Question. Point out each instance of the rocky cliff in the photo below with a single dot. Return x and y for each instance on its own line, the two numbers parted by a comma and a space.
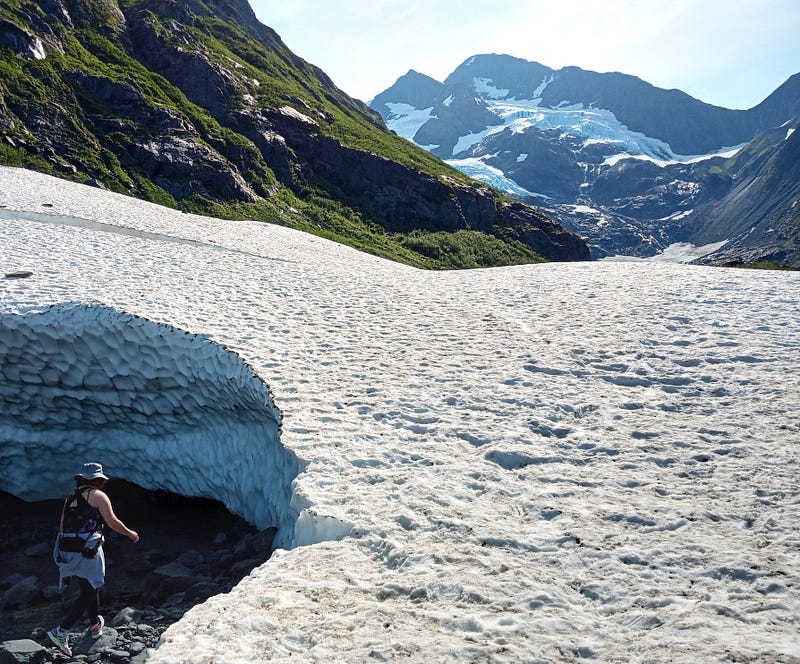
196, 104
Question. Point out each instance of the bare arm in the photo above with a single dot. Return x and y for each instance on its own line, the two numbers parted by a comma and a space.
101, 501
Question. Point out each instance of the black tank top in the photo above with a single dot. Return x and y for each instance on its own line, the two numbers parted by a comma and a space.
79, 516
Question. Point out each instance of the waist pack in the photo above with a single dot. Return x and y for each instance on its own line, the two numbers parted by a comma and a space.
72, 544
78, 545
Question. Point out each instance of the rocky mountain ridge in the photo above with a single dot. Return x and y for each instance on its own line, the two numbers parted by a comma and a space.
198, 105
628, 166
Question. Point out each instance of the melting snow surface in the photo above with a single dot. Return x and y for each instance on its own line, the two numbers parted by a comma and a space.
536, 463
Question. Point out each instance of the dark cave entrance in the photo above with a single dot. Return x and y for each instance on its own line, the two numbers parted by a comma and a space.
190, 550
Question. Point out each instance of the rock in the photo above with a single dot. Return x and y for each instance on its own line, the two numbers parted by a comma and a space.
86, 645
135, 647
40, 549
191, 558
22, 651
126, 616
10, 580
201, 591
22, 594
244, 567
261, 542
156, 556
166, 581
23, 43
173, 570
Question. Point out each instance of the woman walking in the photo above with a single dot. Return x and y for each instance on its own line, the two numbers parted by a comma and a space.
79, 549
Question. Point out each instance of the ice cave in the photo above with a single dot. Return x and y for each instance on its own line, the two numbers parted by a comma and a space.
157, 406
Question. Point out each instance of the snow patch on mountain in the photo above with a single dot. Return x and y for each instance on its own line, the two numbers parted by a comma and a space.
466, 142
485, 88
406, 120
590, 126
593, 125
725, 153
537, 93
678, 252
675, 216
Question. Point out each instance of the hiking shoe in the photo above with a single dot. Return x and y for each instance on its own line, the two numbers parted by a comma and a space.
61, 639
96, 630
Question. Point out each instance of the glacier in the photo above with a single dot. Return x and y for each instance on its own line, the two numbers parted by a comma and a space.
536, 463
586, 126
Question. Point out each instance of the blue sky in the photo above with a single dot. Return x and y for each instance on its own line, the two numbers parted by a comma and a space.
731, 53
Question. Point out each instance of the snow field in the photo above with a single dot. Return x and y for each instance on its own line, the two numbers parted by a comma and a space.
541, 463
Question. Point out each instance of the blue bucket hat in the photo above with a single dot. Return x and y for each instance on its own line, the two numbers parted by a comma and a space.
91, 471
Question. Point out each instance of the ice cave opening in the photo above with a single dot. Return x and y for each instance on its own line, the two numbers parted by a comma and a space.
190, 549
157, 406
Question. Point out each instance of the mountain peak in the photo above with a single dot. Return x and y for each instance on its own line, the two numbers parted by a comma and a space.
413, 88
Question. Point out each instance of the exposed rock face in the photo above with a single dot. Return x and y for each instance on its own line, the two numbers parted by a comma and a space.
203, 81
22, 42
6, 122
760, 207
184, 167
399, 198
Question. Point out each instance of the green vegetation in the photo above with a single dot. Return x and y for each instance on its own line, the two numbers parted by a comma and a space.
469, 249
765, 265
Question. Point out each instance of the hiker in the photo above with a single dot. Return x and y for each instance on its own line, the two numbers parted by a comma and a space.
78, 550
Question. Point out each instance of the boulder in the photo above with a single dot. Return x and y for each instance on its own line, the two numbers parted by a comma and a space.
191, 559
22, 651
127, 616
168, 580
84, 644
39, 550
10, 580
22, 594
